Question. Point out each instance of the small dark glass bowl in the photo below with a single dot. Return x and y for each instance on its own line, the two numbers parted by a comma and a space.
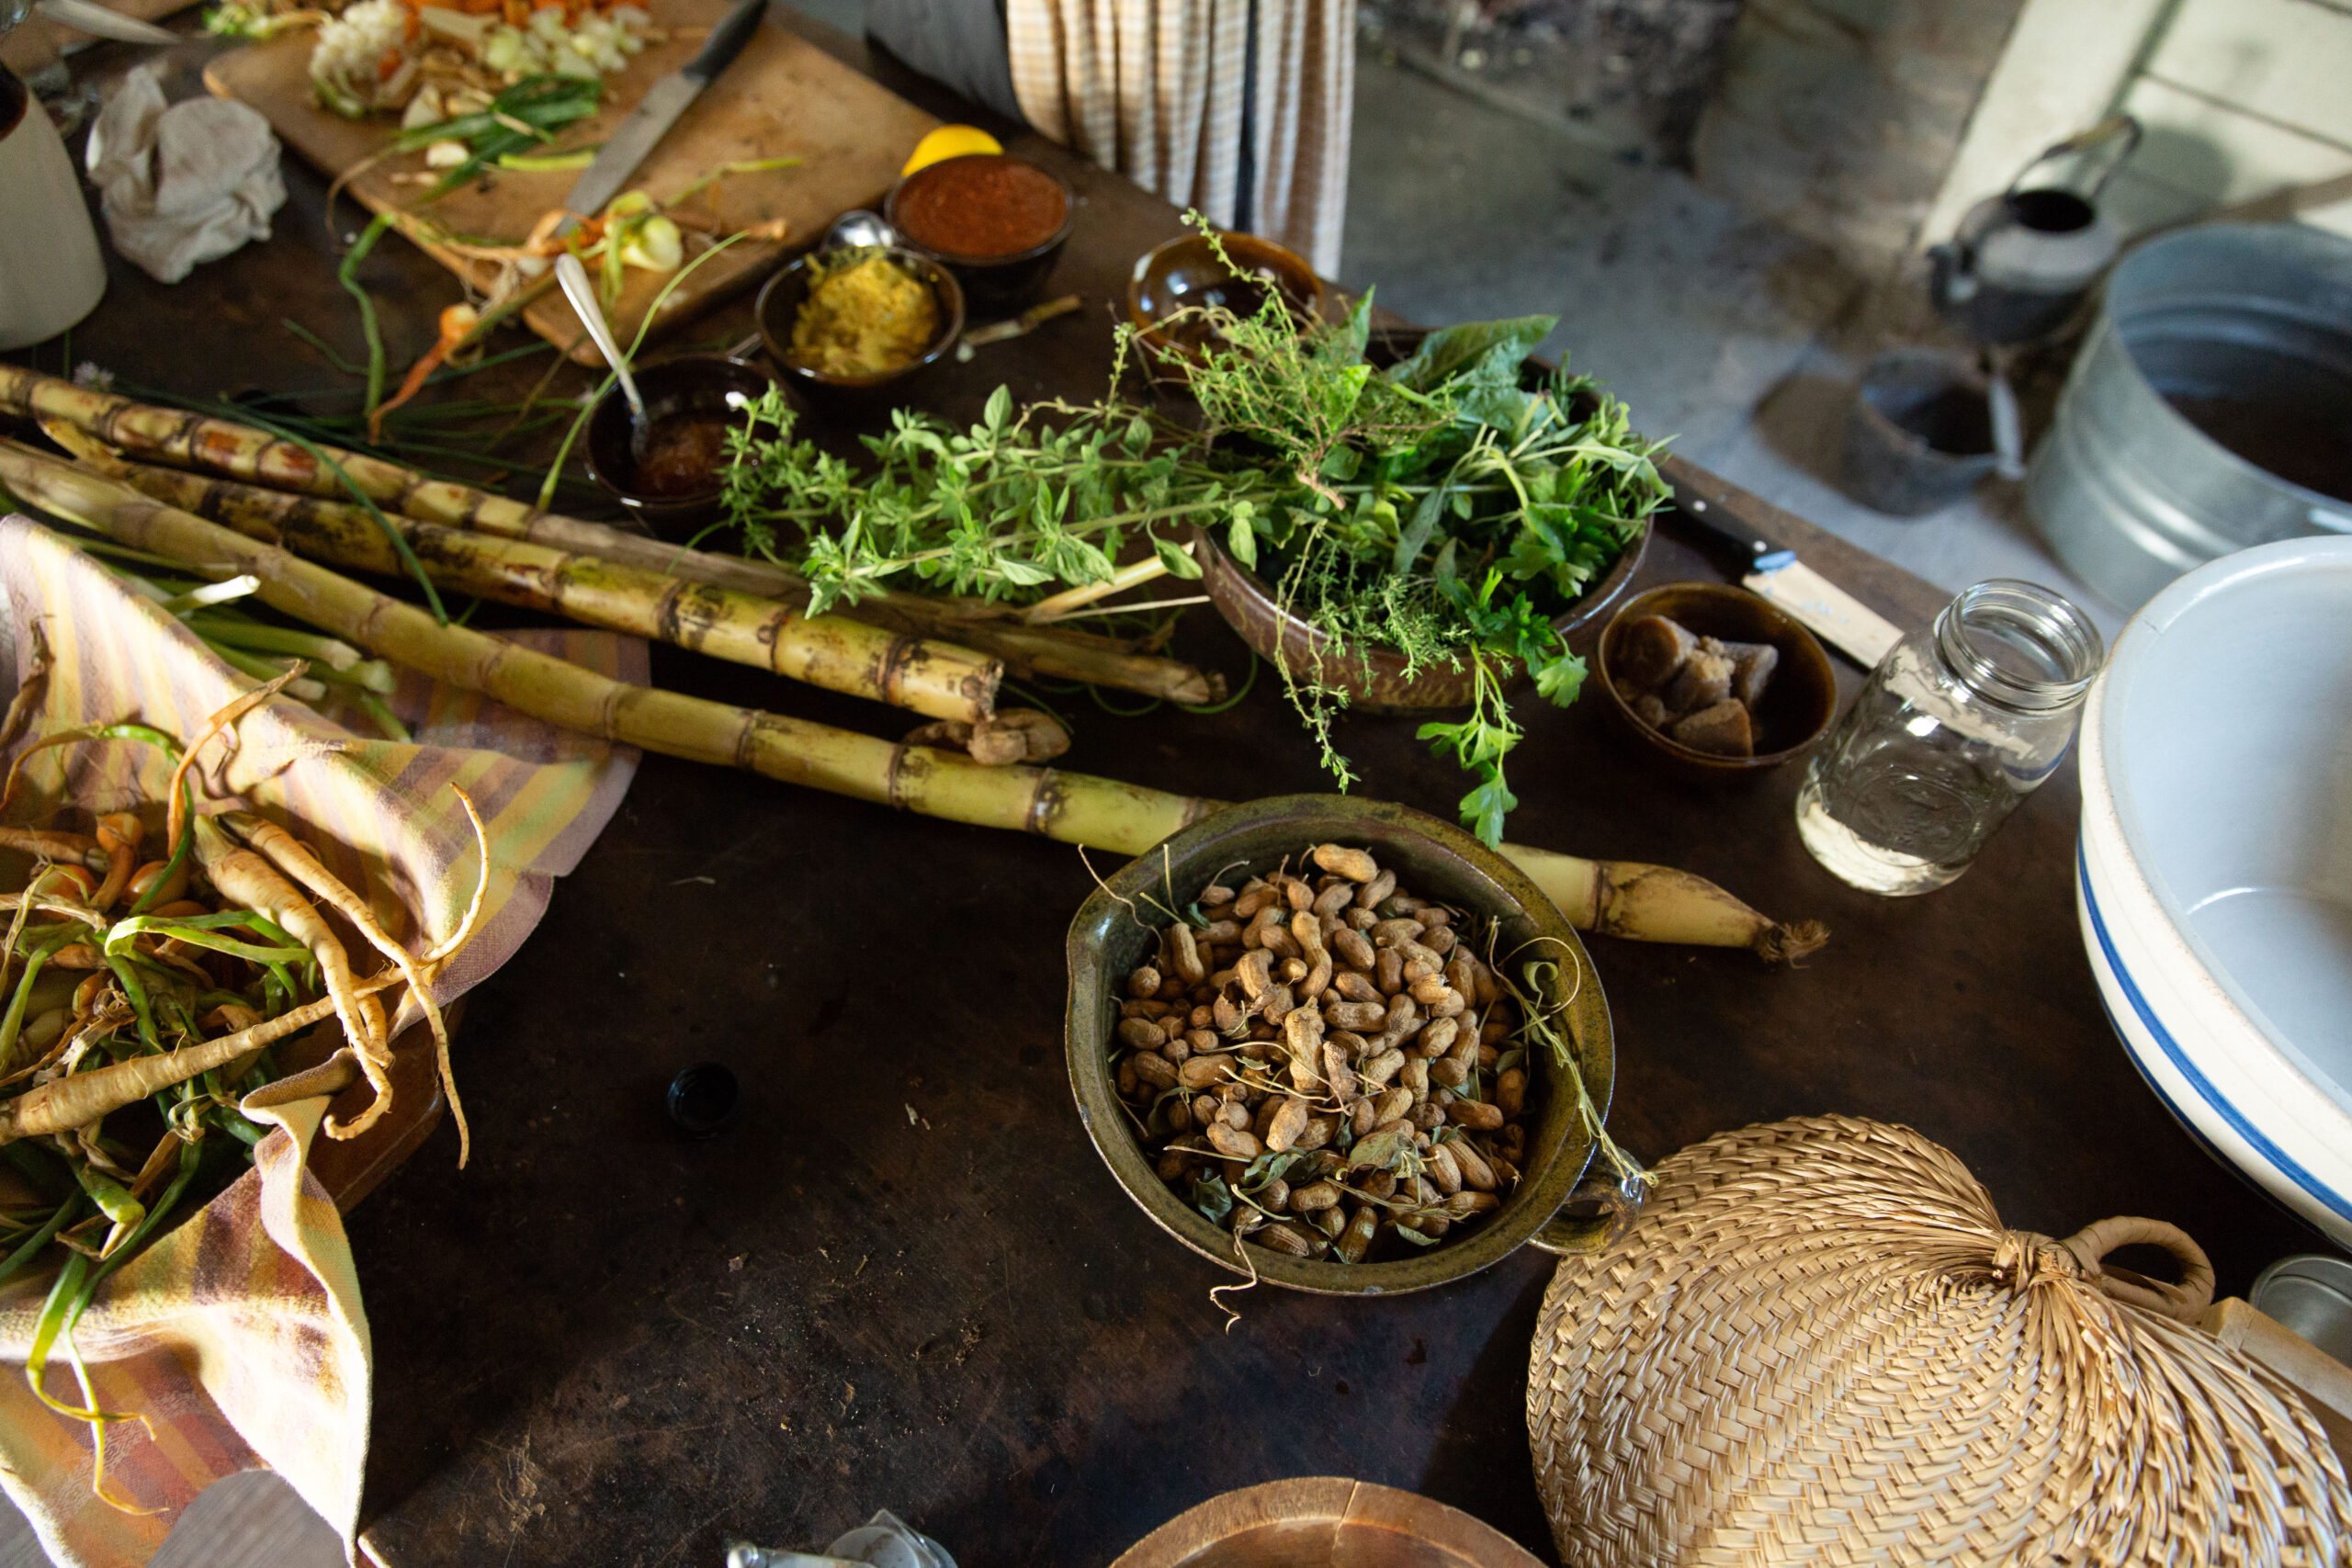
1185, 271
779, 307
703, 383
993, 286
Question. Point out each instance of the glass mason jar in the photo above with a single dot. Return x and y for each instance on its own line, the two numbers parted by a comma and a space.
1956, 725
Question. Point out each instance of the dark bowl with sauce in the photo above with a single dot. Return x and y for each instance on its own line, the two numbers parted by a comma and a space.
691, 402
1185, 274
856, 396
997, 222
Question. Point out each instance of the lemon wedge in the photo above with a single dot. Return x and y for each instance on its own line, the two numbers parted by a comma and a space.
949, 142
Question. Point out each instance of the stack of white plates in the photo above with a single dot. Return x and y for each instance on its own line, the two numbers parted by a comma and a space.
2214, 877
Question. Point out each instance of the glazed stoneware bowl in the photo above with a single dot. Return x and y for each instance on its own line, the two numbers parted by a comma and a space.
1185, 273
2214, 872
1436, 860
1323, 1519
1799, 701
1375, 678
779, 306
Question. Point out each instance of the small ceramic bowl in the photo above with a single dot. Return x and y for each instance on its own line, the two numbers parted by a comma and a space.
1798, 704
1375, 678
1186, 272
1434, 859
779, 307
698, 384
992, 285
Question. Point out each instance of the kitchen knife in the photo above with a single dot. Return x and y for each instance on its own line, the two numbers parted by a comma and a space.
651, 119
89, 17
1772, 571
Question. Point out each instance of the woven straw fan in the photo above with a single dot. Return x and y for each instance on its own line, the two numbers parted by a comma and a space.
1819, 1344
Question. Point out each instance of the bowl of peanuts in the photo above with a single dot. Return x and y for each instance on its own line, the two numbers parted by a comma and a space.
1339, 1045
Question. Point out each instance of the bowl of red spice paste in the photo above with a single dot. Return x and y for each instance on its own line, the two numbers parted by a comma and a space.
996, 221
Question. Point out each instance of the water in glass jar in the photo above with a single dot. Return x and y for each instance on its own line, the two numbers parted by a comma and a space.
1905, 823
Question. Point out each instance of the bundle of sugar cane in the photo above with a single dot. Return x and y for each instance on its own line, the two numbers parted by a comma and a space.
934, 678
255, 456
1647, 903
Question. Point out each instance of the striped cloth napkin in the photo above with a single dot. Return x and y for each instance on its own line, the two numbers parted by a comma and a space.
239, 1335
1242, 108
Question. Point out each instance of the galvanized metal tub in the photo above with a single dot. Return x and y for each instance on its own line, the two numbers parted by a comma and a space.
2246, 326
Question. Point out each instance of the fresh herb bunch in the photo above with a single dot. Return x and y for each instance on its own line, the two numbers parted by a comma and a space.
1000, 511
1437, 507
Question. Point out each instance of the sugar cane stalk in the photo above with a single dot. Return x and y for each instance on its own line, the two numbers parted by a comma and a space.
240, 452
933, 678
1069, 807
1622, 898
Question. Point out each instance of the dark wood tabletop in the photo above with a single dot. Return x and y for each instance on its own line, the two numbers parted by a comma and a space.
904, 1279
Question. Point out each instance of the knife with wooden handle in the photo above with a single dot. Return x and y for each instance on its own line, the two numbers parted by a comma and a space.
1773, 571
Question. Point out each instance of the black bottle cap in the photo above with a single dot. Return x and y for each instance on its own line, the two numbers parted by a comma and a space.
703, 1099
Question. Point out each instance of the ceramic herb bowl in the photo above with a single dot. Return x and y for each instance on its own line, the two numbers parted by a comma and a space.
1799, 705
1375, 678
2214, 876
1437, 861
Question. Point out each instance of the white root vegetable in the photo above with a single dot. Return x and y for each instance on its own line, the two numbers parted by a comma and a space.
290, 855
248, 880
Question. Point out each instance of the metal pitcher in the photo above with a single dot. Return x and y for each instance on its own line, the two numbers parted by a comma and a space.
2020, 261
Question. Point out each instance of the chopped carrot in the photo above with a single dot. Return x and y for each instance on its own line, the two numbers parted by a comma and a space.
389, 66
518, 12
456, 323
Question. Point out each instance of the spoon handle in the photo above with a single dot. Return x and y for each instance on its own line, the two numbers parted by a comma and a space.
584, 304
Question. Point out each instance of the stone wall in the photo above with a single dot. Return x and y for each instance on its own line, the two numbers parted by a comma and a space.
1837, 119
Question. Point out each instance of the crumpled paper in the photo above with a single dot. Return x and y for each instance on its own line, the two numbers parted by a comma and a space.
186, 183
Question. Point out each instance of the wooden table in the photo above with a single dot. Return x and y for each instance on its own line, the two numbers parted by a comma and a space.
904, 1279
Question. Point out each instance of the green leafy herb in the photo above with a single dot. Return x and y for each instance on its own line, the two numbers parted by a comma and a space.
1442, 509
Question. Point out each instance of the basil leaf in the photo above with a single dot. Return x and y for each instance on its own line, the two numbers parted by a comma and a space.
1452, 351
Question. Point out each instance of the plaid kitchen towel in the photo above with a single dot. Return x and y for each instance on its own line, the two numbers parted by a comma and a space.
239, 1335
1240, 108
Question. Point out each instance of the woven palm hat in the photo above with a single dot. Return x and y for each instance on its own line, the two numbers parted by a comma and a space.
1819, 1344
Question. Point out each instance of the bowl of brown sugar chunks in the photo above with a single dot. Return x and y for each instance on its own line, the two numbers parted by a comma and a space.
1715, 680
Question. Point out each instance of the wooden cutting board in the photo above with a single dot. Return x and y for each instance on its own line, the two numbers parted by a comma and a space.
783, 96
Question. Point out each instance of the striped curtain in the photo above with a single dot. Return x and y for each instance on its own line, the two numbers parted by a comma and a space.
1238, 108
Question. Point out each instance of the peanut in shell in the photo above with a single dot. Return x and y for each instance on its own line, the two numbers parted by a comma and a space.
1234, 1143
1356, 865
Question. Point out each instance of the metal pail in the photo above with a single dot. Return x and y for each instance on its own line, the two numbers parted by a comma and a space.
2210, 410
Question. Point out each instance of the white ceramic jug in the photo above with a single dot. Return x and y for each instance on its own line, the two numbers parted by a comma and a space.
51, 272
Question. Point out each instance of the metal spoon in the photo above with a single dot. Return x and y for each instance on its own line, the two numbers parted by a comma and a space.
584, 304
857, 229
